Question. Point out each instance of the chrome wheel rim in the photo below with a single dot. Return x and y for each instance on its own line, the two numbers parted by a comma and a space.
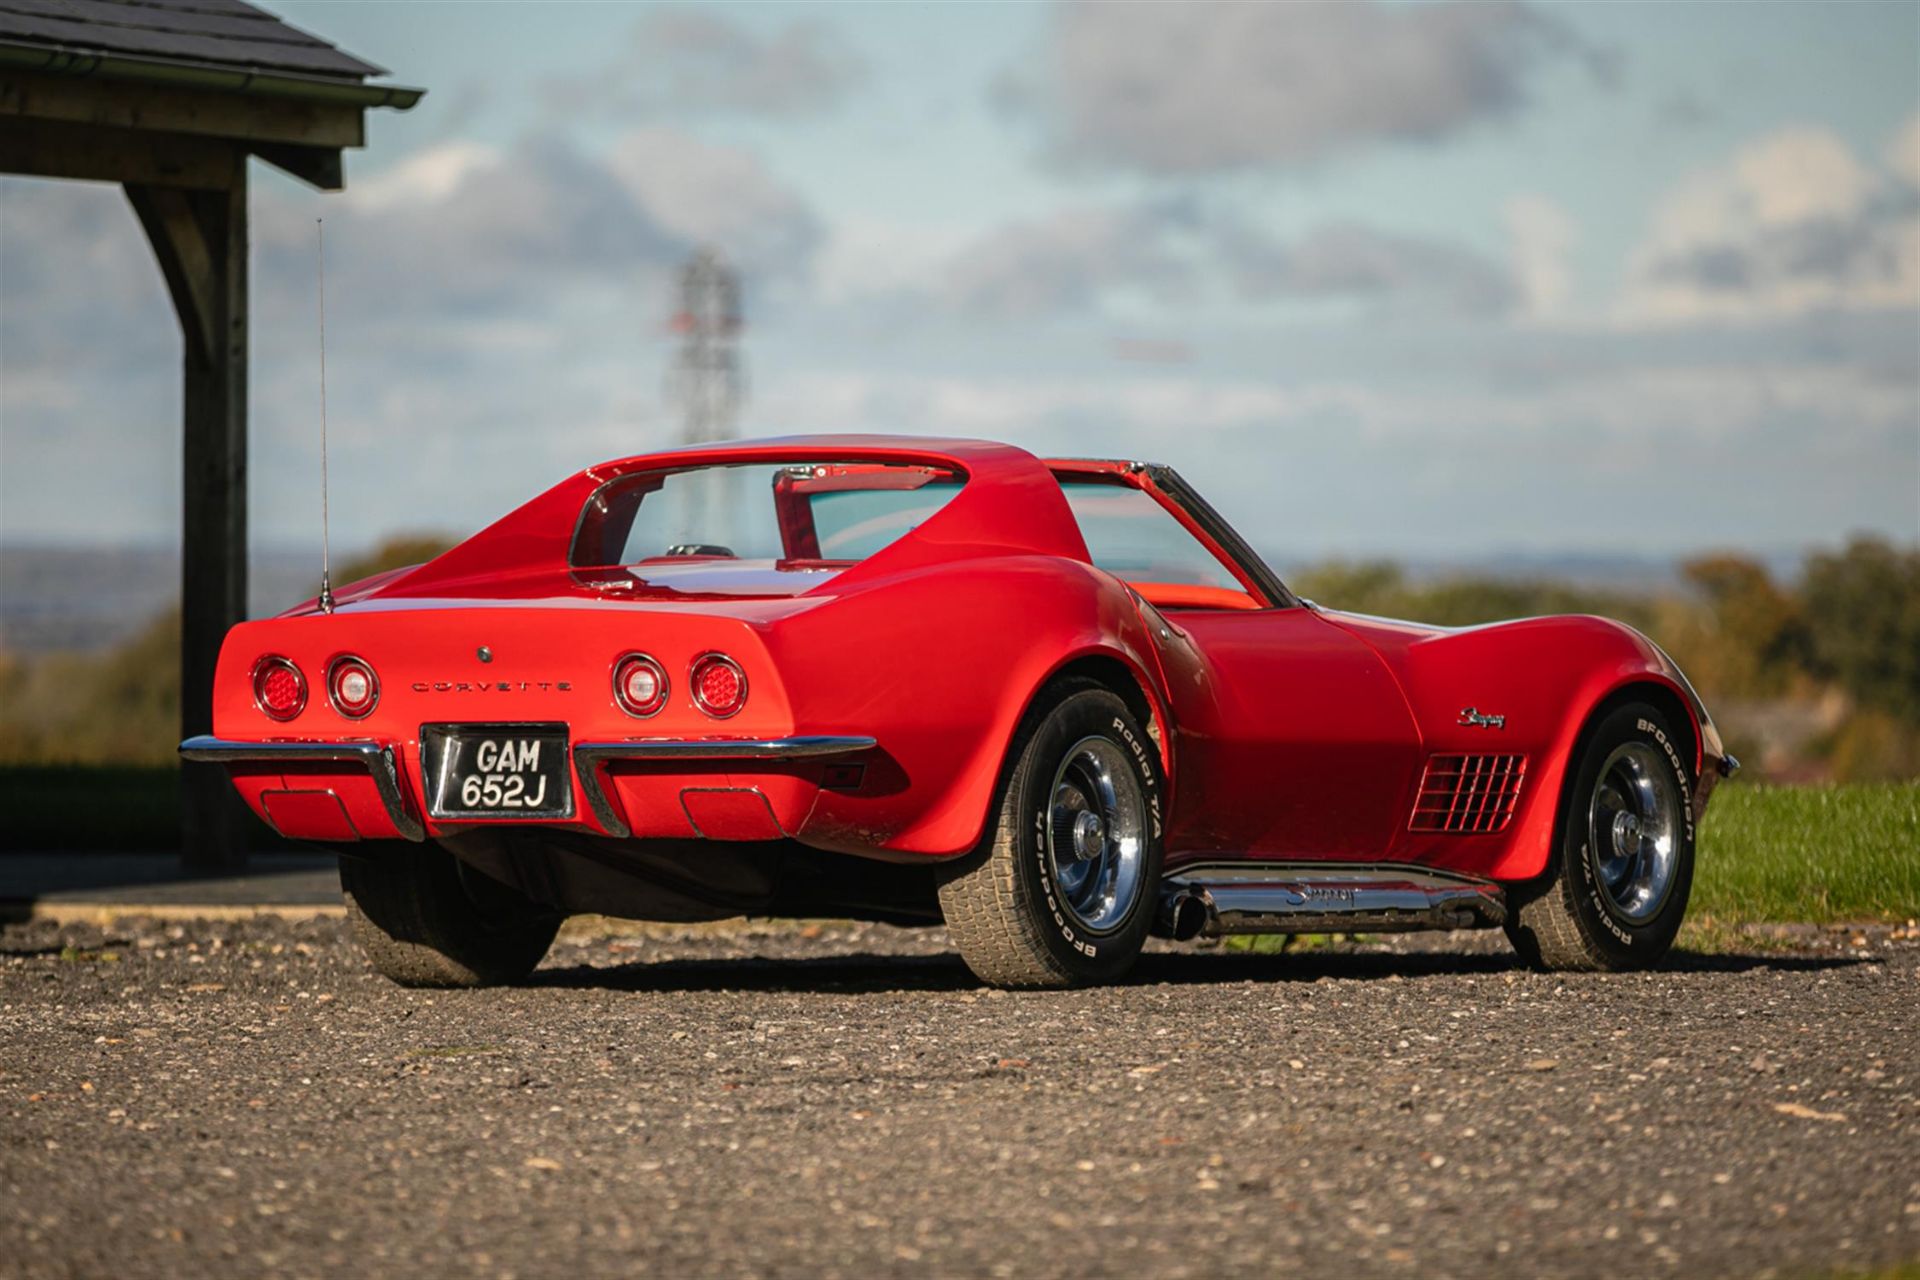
1634, 831
1096, 834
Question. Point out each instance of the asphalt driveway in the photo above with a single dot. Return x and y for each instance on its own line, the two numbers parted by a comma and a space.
243, 1097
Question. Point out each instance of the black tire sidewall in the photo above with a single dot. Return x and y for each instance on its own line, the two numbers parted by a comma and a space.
1108, 953
1625, 943
414, 899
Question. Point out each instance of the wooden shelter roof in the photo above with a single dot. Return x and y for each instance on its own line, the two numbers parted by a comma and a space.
223, 33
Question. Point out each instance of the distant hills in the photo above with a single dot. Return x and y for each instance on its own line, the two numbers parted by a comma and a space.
87, 599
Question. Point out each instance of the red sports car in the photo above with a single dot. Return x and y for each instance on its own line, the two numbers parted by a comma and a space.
1059, 705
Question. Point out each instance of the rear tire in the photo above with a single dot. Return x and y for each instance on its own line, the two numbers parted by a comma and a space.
1622, 867
1065, 885
426, 919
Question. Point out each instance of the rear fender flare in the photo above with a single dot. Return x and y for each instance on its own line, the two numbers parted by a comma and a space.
1111, 666
1104, 664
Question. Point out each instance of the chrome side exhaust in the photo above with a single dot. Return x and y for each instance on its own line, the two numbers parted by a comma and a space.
1216, 899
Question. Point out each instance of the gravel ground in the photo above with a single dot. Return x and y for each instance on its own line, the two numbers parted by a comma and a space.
245, 1097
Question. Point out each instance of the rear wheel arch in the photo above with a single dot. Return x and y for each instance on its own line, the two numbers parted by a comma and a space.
1117, 676
1097, 668
1016, 914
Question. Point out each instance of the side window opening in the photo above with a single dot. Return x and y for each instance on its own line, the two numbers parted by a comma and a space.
1130, 535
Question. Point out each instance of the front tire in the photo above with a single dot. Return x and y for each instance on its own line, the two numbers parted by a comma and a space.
425, 919
1063, 890
1622, 867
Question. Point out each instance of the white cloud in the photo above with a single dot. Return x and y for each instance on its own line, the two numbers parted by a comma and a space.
1351, 261
428, 175
1794, 176
705, 193
682, 61
865, 257
492, 312
1202, 87
1633, 457
1903, 153
1072, 260
89, 367
1708, 403
68, 253
1544, 235
461, 234
1090, 259
458, 237
1794, 222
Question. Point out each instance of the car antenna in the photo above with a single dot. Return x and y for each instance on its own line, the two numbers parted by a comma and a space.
320, 271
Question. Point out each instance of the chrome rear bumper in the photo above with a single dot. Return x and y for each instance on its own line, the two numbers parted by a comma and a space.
588, 759
376, 757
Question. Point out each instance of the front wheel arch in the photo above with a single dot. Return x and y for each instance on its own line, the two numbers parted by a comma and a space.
1529, 853
1664, 698
1556, 919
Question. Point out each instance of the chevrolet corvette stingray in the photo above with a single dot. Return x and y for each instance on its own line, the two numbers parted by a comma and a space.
1057, 705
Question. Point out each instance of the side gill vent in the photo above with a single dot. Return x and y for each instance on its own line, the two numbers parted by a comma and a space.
1468, 795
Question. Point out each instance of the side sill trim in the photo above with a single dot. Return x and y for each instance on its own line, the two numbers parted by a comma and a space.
1220, 898
589, 757
377, 758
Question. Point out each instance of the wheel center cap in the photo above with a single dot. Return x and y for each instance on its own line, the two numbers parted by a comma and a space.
1089, 835
1626, 833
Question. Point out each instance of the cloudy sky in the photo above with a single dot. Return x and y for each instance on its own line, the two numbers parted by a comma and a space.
1436, 280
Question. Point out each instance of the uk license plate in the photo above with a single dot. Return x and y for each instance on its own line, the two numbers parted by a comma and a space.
497, 770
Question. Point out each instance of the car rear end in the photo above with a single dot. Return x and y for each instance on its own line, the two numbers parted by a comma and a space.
822, 641
422, 719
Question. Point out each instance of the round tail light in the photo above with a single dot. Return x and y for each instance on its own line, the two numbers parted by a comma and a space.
639, 685
278, 687
719, 685
352, 687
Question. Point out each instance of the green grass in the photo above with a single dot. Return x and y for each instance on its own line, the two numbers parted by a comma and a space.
1779, 855
1809, 854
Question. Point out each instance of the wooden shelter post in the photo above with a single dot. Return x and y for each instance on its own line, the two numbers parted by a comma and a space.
170, 102
200, 240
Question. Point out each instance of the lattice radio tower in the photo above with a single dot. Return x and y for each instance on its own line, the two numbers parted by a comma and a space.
707, 379
707, 382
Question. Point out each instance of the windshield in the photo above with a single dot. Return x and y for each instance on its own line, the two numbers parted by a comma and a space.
804, 514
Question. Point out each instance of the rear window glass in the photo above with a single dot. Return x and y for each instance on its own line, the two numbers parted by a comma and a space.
804, 512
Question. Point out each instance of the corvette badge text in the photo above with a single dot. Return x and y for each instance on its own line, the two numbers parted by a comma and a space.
489, 686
